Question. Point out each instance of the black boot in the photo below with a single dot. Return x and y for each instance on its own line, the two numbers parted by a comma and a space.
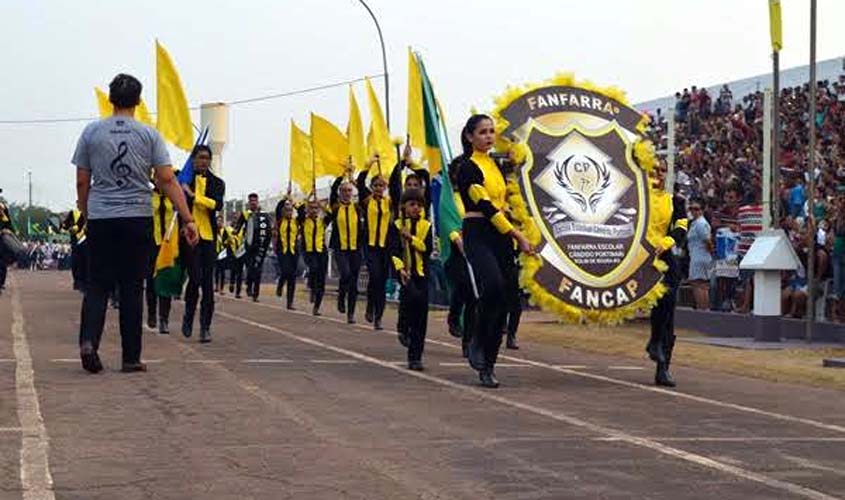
656, 351
205, 336
511, 342
377, 324
662, 377
454, 327
163, 327
187, 328
488, 379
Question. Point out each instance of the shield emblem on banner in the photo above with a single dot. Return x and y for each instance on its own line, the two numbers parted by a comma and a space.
588, 197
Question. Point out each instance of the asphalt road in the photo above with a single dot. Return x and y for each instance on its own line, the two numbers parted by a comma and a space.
284, 405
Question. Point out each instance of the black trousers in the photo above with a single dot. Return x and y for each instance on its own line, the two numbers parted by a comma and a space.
79, 265
514, 301
254, 266
663, 325
3, 272
413, 315
200, 261
236, 274
377, 262
318, 263
119, 255
149, 284
349, 266
288, 264
220, 273
490, 257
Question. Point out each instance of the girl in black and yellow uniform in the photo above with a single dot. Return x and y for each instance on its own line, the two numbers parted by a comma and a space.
287, 249
313, 220
411, 245
418, 179
157, 299
487, 238
344, 243
225, 243
669, 229
375, 212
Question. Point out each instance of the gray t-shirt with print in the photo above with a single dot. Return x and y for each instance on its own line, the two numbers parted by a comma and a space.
120, 153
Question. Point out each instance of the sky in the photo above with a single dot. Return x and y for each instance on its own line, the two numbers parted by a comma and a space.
55, 52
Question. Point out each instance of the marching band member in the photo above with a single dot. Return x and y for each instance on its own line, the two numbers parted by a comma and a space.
344, 243
74, 224
669, 230
287, 250
225, 254
418, 178
205, 197
411, 246
461, 300
487, 238
238, 254
375, 211
258, 233
5, 227
158, 305
313, 220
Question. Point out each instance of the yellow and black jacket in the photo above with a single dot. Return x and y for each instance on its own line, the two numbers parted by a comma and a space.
313, 230
74, 224
345, 221
6, 219
668, 228
375, 213
288, 235
207, 201
412, 255
483, 189
162, 215
396, 184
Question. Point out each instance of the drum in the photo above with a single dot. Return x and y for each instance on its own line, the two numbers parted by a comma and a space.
11, 248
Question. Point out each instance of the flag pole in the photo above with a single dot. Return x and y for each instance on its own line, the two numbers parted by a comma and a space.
811, 165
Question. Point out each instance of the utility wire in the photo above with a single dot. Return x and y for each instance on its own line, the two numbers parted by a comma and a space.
40, 121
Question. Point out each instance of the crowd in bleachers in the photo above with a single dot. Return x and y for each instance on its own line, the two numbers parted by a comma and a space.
718, 165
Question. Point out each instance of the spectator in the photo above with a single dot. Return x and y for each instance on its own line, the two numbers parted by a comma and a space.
700, 246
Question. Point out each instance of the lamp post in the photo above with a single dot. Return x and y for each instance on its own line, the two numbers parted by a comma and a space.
384, 63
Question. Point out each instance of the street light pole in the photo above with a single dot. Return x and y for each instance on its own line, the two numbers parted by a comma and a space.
384, 63
811, 257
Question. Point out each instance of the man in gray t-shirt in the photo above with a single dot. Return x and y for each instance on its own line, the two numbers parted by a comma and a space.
119, 151
114, 159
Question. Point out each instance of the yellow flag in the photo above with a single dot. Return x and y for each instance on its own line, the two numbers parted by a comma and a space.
416, 121
775, 25
331, 148
355, 133
302, 167
174, 117
378, 138
106, 108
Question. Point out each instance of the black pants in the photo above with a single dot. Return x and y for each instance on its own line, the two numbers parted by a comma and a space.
490, 256
317, 263
349, 267
514, 302
200, 261
413, 315
118, 255
79, 265
236, 275
3, 272
288, 264
220, 273
377, 260
663, 325
149, 284
254, 266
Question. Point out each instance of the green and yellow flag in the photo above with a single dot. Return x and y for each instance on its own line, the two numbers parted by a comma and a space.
302, 168
169, 276
775, 25
174, 117
331, 149
423, 121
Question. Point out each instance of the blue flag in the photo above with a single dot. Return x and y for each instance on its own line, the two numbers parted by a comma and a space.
186, 176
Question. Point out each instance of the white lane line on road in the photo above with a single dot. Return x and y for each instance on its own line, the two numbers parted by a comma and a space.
623, 368
36, 480
498, 365
266, 361
6, 360
622, 436
333, 361
10, 429
625, 383
572, 367
743, 440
